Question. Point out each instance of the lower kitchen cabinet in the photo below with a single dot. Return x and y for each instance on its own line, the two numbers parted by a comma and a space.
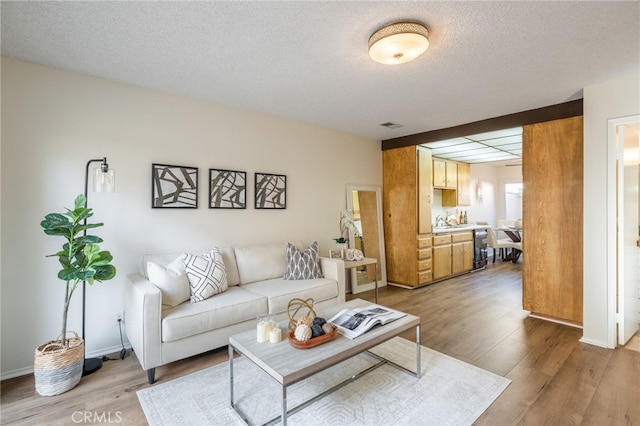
441, 256
461, 257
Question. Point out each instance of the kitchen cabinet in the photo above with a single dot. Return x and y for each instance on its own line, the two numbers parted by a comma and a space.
461, 252
464, 184
455, 182
441, 256
407, 189
445, 174
552, 265
452, 254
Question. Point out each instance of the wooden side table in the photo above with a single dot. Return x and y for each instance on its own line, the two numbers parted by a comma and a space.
351, 264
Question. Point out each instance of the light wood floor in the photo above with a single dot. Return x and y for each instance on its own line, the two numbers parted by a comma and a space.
476, 318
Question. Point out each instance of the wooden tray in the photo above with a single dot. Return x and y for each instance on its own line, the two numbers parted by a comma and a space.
311, 342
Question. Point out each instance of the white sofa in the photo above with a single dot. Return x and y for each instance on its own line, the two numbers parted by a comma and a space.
160, 334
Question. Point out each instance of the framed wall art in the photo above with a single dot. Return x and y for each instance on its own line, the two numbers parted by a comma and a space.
271, 191
174, 186
227, 189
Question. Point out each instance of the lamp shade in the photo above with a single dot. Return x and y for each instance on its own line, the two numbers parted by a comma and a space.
104, 180
398, 43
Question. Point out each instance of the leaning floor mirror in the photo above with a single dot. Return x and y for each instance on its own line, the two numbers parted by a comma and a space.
365, 201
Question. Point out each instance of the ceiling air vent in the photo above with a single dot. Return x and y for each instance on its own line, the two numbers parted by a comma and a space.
391, 125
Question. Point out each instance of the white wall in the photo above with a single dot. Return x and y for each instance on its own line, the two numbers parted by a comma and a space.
613, 99
54, 121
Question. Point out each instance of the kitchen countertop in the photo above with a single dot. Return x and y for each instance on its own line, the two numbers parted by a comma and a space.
457, 228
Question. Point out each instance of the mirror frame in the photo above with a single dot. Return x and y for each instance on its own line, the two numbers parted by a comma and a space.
382, 264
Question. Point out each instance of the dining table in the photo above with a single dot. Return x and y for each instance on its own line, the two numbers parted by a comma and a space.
515, 235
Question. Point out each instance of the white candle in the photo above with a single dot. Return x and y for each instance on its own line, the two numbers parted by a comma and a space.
262, 331
271, 325
275, 335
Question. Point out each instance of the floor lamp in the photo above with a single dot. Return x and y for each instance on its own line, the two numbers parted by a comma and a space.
104, 180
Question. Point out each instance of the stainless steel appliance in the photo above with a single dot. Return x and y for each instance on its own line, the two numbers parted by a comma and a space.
479, 248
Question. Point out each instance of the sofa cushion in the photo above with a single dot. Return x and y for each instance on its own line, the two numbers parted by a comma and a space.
172, 281
303, 265
227, 253
261, 262
206, 273
231, 307
280, 291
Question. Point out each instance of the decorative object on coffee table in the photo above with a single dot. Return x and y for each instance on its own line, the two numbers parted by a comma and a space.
310, 343
297, 308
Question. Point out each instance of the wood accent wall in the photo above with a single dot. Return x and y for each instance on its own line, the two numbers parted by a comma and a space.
400, 205
552, 173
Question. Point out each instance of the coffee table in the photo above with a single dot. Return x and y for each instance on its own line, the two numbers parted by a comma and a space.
275, 358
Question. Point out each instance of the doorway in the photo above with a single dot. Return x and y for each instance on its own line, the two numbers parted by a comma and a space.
513, 200
624, 230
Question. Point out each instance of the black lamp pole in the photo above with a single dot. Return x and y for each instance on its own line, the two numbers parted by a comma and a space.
91, 365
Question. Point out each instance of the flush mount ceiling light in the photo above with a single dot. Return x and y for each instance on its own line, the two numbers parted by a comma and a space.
398, 43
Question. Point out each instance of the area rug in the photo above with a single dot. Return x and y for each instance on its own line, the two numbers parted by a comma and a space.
450, 392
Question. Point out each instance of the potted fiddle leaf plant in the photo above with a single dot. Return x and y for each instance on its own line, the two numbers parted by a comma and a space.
59, 363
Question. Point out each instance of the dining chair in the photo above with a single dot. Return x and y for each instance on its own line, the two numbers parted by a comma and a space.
502, 244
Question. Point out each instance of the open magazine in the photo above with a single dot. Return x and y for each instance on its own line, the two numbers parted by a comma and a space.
352, 323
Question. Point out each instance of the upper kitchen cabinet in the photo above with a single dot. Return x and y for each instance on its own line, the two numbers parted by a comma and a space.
461, 196
464, 184
445, 174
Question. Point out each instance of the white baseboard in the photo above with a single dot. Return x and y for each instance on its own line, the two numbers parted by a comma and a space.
93, 354
593, 342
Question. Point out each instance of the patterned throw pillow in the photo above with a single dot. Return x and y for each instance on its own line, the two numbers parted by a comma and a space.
206, 273
303, 265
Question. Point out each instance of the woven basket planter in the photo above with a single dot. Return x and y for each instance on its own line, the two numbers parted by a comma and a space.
58, 369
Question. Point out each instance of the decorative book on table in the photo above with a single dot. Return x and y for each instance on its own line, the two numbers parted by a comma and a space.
352, 323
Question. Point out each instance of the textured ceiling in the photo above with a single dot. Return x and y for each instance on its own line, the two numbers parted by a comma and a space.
308, 61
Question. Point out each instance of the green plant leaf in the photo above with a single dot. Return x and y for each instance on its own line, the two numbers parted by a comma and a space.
87, 239
105, 272
80, 258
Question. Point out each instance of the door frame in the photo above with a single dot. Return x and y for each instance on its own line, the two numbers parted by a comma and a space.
612, 225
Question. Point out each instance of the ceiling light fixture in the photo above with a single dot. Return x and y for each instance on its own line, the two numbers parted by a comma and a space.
398, 43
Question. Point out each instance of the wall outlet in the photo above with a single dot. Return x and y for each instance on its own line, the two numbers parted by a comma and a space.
119, 318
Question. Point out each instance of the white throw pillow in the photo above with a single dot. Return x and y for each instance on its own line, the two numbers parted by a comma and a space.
206, 273
303, 265
171, 280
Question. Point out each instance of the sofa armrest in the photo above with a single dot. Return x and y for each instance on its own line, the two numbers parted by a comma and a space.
334, 269
143, 307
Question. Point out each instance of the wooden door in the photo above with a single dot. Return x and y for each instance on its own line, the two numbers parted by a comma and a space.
552, 172
457, 258
439, 173
467, 256
464, 184
451, 175
441, 261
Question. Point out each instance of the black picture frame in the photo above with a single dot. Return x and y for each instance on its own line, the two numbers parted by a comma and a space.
227, 189
174, 186
270, 191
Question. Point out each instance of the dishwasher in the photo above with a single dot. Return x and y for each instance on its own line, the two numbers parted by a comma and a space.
479, 248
